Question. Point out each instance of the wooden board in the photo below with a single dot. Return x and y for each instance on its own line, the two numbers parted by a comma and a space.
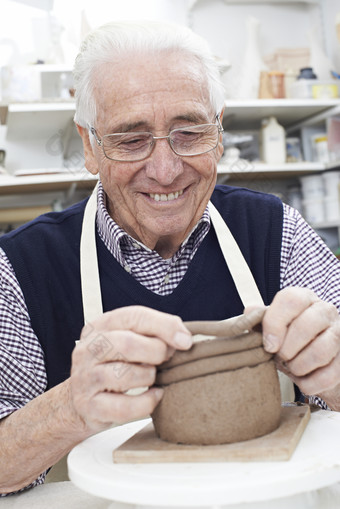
146, 447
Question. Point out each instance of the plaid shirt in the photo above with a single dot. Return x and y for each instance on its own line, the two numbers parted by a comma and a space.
305, 261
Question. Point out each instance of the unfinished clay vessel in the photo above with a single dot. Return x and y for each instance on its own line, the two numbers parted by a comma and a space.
224, 389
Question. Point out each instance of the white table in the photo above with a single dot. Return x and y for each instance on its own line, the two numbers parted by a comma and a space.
65, 495
58, 495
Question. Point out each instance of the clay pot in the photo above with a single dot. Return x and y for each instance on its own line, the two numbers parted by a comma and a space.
224, 389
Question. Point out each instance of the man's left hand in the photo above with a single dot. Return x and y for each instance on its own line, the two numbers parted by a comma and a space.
304, 333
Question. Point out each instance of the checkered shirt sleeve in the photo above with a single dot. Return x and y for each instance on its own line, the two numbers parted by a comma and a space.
22, 367
307, 262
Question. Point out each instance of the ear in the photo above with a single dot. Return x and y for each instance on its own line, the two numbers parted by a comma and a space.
90, 159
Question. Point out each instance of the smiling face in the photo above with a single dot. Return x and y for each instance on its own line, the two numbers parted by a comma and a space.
157, 200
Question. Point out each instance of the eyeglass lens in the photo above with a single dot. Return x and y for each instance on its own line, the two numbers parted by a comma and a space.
187, 141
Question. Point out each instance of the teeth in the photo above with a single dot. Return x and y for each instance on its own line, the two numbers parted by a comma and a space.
166, 197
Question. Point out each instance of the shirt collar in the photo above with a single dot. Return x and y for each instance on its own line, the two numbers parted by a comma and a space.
114, 236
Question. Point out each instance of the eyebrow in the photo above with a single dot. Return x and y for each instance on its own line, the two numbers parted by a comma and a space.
192, 117
129, 126
125, 127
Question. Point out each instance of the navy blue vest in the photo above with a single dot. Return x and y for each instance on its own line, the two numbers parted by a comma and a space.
45, 256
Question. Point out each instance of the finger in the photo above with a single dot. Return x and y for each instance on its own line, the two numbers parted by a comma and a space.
303, 330
253, 315
109, 408
254, 308
120, 377
145, 321
320, 380
126, 346
317, 354
287, 305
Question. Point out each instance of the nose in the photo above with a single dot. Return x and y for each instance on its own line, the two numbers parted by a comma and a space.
163, 165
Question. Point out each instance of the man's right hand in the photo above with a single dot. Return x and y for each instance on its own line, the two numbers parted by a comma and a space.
117, 352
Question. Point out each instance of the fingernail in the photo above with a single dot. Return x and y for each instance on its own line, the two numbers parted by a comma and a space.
270, 343
182, 340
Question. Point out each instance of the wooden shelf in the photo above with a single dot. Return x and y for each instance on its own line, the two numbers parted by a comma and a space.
21, 215
334, 165
262, 170
247, 114
48, 106
45, 183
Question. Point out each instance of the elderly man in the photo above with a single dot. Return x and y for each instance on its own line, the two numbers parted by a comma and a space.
146, 252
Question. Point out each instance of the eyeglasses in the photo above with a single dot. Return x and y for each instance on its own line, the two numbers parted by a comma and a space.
188, 141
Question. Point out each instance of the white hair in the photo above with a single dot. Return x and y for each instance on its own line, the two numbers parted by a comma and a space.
112, 41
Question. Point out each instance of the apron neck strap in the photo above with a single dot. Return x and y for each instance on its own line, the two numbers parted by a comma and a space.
238, 267
89, 272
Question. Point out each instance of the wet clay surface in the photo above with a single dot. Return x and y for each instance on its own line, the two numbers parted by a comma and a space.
222, 390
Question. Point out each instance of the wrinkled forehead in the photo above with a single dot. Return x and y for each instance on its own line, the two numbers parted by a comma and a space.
136, 75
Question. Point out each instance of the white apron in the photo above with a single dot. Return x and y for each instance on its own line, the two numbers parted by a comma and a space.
238, 267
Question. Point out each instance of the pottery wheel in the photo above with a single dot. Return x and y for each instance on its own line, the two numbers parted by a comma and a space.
314, 464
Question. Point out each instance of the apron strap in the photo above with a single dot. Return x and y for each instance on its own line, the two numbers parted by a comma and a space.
240, 272
89, 273
244, 282
90, 283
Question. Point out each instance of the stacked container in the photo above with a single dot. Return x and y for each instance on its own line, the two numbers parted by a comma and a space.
313, 194
331, 197
320, 195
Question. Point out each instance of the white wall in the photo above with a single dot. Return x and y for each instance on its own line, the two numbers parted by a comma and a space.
28, 34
